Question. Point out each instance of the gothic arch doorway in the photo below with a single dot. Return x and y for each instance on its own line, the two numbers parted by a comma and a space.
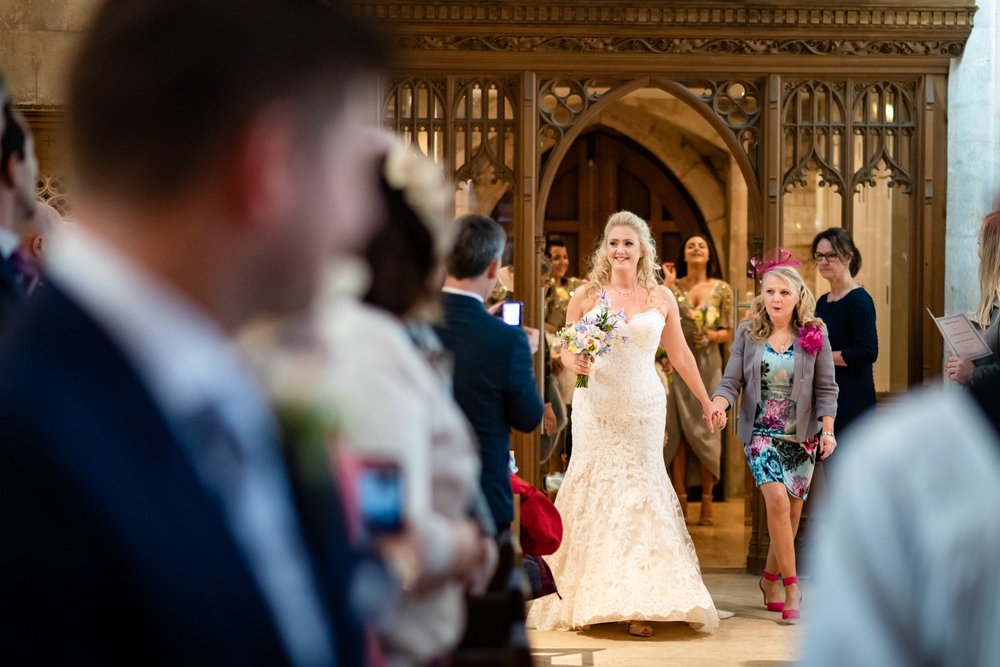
660, 156
708, 135
604, 172
731, 108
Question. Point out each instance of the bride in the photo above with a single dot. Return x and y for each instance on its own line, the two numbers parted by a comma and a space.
626, 554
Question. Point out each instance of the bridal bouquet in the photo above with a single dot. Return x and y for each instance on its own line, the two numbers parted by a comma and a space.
593, 334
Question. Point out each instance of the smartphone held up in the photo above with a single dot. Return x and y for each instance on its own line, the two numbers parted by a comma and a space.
380, 496
511, 313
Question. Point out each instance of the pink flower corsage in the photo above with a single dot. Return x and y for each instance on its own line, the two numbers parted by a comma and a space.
811, 338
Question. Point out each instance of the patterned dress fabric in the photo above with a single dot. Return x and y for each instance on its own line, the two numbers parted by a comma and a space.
626, 553
773, 454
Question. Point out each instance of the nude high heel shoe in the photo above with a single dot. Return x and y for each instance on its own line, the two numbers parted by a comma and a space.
706, 511
771, 606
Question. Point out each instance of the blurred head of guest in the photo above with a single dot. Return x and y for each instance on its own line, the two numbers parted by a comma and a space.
37, 228
247, 143
837, 258
989, 267
474, 261
18, 169
27, 259
406, 255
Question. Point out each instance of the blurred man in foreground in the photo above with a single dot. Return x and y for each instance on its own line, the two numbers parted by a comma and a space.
147, 514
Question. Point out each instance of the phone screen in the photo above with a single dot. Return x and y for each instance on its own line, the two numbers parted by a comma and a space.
510, 312
380, 491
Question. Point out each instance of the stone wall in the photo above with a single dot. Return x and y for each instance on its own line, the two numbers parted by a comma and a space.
37, 38
973, 155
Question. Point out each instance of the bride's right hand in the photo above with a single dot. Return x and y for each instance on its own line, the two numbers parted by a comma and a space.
581, 365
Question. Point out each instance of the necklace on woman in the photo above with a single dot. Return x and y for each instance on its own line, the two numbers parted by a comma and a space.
780, 348
621, 293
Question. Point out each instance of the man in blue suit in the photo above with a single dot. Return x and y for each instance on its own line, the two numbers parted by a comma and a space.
494, 380
148, 515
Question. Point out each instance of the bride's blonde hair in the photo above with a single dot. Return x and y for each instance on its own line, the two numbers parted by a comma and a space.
600, 265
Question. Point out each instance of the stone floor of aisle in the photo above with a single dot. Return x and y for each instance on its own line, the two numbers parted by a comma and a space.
752, 637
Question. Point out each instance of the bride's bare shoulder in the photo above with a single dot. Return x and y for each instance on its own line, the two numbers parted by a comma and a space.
663, 300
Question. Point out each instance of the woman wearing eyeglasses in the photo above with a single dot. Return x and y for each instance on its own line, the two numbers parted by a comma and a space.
849, 314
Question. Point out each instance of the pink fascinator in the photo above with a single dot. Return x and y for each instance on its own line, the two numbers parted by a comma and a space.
777, 257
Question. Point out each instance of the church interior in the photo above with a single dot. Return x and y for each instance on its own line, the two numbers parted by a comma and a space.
754, 124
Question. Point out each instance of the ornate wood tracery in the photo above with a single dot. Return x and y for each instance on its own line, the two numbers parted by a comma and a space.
485, 125
821, 117
683, 45
414, 108
563, 101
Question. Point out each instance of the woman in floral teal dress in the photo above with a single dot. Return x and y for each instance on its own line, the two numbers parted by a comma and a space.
782, 362
774, 453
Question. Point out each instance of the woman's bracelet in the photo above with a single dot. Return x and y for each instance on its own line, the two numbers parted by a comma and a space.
829, 433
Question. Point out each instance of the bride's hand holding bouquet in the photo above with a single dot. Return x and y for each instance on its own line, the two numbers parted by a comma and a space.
591, 337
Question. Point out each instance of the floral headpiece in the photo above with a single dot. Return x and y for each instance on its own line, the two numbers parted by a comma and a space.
424, 188
774, 258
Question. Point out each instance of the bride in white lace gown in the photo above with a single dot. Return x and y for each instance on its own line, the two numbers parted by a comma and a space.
626, 554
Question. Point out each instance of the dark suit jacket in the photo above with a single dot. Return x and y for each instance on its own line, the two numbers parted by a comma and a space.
112, 551
814, 388
495, 386
11, 296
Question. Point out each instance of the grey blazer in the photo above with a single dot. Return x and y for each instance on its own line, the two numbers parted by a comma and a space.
814, 388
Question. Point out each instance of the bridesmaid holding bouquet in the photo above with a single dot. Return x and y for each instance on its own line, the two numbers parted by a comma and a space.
706, 307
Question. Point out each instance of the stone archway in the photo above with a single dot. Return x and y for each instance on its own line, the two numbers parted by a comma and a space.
732, 108
689, 158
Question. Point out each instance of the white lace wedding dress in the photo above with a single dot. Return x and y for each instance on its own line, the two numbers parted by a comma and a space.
626, 553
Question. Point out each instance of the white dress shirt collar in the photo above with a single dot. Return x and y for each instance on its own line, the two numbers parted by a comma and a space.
9, 242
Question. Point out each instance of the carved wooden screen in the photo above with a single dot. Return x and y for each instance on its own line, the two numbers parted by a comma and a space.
849, 161
468, 125
485, 131
414, 108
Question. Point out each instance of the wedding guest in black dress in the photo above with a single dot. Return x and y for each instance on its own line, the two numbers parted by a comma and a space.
849, 314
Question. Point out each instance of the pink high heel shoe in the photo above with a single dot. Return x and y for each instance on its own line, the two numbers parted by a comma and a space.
790, 614
771, 606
